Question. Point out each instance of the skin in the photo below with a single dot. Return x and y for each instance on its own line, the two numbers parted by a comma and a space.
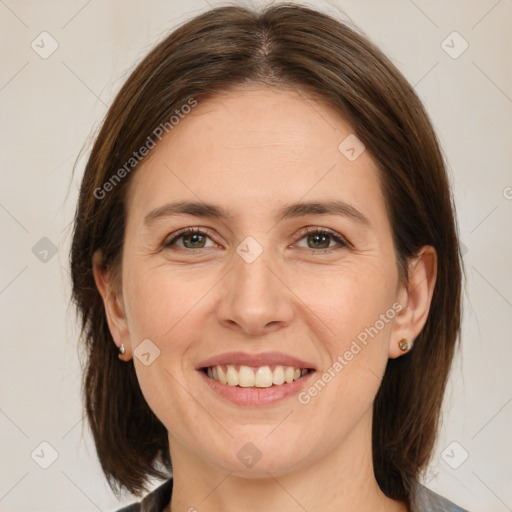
253, 150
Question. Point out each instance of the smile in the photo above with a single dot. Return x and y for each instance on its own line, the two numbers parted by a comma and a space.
258, 377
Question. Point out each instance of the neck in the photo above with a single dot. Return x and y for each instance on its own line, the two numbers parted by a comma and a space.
342, 479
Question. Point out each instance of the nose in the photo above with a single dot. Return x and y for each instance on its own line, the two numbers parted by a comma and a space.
255, 298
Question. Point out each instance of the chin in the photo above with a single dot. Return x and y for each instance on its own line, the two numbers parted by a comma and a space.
254, 459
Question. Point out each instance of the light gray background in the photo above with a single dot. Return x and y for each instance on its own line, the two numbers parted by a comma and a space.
51, 106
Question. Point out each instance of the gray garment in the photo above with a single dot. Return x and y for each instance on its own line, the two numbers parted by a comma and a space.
424, 500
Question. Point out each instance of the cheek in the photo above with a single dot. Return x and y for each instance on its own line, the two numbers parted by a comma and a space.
159, 298
164, 307
350, 299
353, 318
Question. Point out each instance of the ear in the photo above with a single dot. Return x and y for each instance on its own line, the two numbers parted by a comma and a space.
415, 296
113, 303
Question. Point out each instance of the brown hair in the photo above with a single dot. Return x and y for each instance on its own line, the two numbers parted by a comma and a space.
285, 45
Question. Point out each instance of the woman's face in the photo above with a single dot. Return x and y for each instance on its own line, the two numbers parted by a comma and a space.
292, 266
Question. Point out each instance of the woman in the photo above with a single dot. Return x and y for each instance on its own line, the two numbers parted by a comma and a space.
266, 264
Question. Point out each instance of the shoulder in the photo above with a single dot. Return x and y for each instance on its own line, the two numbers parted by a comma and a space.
155, 501
425, 500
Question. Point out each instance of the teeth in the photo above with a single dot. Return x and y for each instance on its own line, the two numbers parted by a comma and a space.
262, 377
289, 374
245, 377
232, 376
222, 376
278, 376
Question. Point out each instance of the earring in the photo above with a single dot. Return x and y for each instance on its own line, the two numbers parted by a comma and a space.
122, 350
404, 344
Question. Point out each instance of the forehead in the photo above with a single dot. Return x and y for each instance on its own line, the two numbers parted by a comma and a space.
256, 146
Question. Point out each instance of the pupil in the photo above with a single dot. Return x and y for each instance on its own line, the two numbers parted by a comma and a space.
192, 240
317, 239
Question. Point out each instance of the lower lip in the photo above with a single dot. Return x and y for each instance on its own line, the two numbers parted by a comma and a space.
256, 396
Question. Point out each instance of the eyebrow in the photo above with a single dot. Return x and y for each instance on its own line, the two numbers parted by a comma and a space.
201, 209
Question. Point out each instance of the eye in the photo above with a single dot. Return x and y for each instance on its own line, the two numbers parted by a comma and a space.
320, 239
190, 238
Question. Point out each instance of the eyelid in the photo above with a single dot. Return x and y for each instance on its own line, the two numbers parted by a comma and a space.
170, 239
339, 239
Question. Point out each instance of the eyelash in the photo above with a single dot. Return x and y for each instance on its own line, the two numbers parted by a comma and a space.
343, 243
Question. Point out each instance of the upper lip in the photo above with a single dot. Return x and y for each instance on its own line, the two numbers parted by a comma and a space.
261, 359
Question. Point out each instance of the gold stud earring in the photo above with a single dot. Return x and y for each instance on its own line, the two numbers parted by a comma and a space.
404, 344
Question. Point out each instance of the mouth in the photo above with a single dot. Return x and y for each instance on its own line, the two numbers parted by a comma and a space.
261, 379
255, 376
